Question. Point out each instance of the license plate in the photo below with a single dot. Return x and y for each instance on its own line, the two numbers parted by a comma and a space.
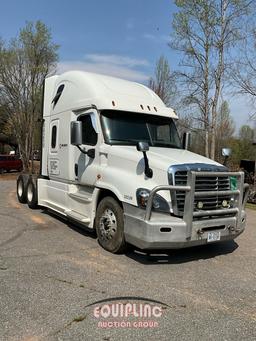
213, 236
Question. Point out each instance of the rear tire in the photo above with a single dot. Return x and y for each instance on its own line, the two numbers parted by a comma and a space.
109, 223
31, 194
22, 188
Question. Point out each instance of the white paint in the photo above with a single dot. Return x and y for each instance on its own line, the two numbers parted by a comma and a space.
119, 169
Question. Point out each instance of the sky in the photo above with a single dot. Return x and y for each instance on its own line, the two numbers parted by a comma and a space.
122, 38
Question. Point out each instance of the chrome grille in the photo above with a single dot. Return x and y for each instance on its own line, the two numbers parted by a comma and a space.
203, 184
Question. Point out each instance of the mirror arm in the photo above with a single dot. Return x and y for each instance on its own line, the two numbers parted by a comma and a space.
81, 150
148, 171
89, 152
225, 160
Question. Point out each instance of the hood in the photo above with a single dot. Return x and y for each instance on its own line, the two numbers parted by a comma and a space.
161, 158
171, 156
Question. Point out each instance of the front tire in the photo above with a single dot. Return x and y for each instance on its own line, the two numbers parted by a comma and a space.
32, 194
109, 223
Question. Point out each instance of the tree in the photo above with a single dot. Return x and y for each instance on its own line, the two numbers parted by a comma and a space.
203, 32
243, 71
242, 147
162, 84
246, 148
3, 118
225, 128
24, 64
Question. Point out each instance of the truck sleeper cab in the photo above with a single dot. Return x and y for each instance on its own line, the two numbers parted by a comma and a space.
112, 160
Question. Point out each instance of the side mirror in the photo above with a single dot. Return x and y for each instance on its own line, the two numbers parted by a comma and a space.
142, 146
186, 140
76, 133
226, 152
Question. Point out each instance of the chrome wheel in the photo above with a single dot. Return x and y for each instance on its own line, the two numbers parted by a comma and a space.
108, 224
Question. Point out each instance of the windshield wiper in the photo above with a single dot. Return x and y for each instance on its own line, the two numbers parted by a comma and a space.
124, 140
170, 145
154, 144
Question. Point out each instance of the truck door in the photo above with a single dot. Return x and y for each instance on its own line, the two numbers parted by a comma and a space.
85, 167
53, 159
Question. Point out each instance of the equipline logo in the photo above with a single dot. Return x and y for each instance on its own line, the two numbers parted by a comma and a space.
128, 312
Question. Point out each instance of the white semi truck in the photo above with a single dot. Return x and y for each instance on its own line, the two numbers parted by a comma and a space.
112, 160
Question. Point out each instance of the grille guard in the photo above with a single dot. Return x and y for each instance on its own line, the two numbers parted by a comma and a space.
240, 197
177, 175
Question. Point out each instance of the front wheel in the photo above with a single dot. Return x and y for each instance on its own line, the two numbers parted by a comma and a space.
109, 223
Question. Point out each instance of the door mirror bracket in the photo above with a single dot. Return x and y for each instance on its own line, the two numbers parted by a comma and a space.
144, 147
89, 152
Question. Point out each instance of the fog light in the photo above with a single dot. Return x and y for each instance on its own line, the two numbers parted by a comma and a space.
200, 204
225, 203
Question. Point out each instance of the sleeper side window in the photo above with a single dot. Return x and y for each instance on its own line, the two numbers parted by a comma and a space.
89, 134
54, 136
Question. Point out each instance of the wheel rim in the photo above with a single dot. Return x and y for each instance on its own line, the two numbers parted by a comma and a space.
30, 193
20, 189
108, 225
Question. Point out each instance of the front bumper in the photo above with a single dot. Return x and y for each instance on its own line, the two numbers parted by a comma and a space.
163, 231
152, 230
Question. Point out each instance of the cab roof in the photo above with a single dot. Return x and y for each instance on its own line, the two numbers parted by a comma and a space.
81, 89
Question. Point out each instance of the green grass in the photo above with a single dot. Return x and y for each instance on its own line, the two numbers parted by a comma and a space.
251, 206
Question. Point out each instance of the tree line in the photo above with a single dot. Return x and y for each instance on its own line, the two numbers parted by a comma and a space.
215, 40
25, 61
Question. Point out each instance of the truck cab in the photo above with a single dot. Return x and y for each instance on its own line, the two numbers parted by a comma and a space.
112, 160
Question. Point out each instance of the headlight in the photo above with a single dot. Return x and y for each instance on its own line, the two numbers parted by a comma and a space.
159, 203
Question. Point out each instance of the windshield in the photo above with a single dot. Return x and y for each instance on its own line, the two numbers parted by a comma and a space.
128, 128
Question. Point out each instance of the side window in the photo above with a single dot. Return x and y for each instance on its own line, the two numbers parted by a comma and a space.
58, 94
89, 135
54, 137
163, 133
